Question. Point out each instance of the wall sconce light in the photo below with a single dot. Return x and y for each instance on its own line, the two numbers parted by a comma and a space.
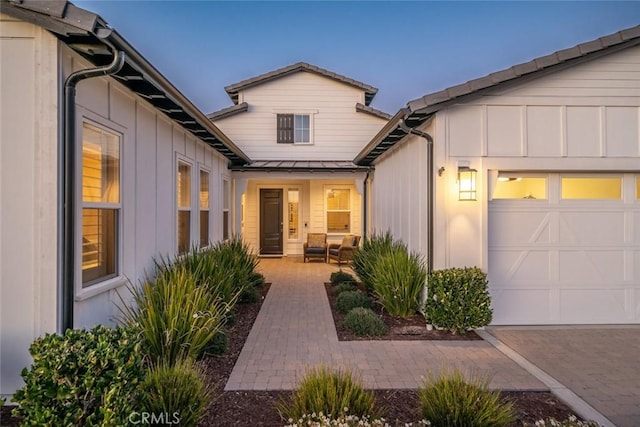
467, 183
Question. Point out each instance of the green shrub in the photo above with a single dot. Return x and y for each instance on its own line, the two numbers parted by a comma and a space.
330, 392
218, 344
364, 323
85, 377
365, 258
344, 287
177, 318
450, 401
341, 276
458, 299
178, 393
352, 299
398, 280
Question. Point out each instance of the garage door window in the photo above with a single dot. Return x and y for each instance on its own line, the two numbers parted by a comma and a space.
591, 188
638, 188
519, 187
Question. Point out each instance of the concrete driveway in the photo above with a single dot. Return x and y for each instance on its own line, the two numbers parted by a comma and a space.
601, 364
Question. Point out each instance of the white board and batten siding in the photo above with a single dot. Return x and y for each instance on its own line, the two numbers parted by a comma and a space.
28, 191
151, 147
552, 261
399, 190
338, 131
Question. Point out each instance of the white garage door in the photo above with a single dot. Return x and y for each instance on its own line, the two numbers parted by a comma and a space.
565, 248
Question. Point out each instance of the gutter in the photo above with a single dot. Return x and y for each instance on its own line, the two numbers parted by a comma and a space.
66, 194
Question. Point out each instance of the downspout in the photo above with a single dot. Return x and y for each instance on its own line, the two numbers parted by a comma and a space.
430, 187
365, 201
66, 204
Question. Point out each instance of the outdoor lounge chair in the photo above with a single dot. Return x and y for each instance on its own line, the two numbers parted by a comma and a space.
343, 252
315, 246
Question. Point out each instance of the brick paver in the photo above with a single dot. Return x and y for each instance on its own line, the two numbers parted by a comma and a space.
599, 364
294, 331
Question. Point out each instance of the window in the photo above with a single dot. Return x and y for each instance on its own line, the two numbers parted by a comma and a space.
293, 207
204, 208
293, 128
594, 188
519, 187
638, 188
226, 203
100, 204
338, 210
184, 206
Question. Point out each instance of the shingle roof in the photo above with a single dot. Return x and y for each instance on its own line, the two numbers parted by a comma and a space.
89, 35
233, 89
228, 112
361, 108
421, 109
570, 56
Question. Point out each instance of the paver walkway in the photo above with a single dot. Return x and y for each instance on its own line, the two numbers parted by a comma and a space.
599, 364
294, 331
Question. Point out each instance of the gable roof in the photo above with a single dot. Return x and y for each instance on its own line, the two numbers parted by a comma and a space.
234, 89
90, 36
418, 111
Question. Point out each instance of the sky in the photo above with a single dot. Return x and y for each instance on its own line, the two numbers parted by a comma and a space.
405, 49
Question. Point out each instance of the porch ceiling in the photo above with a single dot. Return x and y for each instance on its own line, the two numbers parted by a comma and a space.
300, 166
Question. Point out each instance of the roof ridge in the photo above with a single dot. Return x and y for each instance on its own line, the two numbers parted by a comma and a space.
233, 89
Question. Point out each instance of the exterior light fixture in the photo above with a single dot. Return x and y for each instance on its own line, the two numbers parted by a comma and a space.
467, 183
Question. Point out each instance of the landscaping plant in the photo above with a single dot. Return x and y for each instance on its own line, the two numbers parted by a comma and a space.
399, 278
364, 323
322, 420
176, 317
176, 392
365, 258
352, 299
331, 392
344, 287
449, 400
341, 276
458, 299
84, 377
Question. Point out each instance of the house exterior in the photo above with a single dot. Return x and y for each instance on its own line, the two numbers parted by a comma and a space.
149, 175
302, 126
531, 173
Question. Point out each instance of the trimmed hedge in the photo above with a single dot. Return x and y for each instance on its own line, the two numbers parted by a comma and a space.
458, 299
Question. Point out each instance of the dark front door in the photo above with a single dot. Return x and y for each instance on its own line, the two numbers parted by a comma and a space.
270, 221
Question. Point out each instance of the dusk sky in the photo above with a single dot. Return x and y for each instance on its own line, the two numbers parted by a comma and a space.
405, 49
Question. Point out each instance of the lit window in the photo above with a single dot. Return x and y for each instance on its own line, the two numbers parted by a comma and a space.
100, 204
294, 204
338, 210
519, 187
226, 204
638, 188
594, 188
184, 206
204, 208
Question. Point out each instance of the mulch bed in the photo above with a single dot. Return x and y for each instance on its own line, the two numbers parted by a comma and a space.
413, 328
256, 408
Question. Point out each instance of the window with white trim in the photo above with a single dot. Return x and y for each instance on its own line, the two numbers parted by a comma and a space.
293, 216
338, 210
226, 205
204, 208
101, 205
183, 199
293, 128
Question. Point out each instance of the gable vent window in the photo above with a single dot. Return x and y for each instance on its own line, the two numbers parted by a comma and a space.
294, 128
